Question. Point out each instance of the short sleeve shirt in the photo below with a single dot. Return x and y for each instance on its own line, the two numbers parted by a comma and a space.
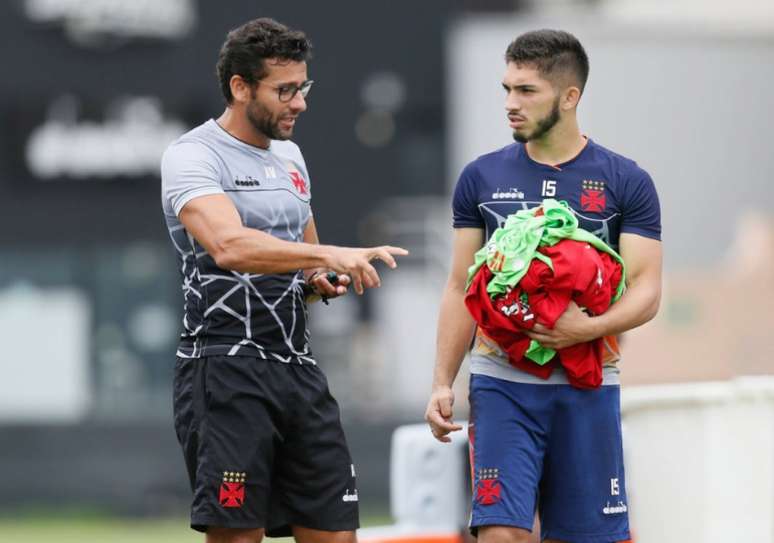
227, 312
610, 195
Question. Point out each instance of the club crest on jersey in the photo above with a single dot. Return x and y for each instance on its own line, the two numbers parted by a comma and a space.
232, 489
298, 182
489, 488
593, 196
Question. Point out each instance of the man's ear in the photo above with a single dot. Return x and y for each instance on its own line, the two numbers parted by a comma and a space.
241, 90
570, 98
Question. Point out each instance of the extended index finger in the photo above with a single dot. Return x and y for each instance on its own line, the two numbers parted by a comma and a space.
385, 254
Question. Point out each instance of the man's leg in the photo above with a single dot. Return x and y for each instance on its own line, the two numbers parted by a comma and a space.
307, 535
504, 534
232, 535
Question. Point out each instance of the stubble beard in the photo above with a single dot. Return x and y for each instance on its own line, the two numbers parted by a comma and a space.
262, 120
544, 126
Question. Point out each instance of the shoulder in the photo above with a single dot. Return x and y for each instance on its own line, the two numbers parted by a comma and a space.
196, 144
494, 159
625, 167
287, 149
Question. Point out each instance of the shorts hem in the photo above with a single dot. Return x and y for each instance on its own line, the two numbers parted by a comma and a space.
200, 524
587, 538
482, 522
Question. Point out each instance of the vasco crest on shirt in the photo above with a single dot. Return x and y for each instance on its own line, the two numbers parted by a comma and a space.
593, 196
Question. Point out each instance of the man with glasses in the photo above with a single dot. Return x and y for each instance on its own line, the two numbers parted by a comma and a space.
260, 432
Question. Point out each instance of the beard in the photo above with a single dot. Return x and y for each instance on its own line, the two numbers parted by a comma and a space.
544, 125
264, 122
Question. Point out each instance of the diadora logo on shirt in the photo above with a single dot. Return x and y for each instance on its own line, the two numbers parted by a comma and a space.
246, 181
511, 194
593, 196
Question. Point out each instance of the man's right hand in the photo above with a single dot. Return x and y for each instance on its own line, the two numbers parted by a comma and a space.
356, 262
439, 413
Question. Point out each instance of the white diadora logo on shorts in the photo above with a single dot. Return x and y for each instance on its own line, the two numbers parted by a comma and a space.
347, 497
512, 194
615, 509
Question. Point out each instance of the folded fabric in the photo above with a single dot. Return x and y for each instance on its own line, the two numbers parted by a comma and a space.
566, 270
512, 247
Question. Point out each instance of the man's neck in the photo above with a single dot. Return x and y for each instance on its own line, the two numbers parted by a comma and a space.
236, 124
561, 144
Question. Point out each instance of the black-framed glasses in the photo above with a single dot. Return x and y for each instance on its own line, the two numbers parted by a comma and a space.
286, 93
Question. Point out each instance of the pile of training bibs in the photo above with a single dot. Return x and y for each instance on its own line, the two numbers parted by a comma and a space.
528, 272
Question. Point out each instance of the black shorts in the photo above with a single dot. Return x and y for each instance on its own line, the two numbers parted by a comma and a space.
263, 445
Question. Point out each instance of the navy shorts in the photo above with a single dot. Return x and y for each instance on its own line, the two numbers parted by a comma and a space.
553, 449
263, 445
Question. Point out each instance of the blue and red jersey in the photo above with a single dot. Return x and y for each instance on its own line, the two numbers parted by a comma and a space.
610, 194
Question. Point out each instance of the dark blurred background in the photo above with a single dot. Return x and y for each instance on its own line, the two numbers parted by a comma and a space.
406, 93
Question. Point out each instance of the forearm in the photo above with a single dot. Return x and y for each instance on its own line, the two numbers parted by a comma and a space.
638, 305
455, 332
248, 250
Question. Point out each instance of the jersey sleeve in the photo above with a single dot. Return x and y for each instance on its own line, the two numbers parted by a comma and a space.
188, 170
465, 203
641, 209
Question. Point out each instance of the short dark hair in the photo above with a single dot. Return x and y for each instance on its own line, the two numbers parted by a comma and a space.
554, 53
247, 47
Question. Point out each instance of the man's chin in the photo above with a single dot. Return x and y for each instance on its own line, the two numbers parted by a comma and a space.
521, 138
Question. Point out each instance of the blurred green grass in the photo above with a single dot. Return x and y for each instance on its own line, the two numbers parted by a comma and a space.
43, 528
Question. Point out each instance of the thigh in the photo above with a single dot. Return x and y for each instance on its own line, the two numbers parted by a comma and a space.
583, 494
186, 404
238, 432
509, 429
315, 475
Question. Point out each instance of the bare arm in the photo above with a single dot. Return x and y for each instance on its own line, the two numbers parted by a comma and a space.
637, 306
215, 223
317, 276
455, 332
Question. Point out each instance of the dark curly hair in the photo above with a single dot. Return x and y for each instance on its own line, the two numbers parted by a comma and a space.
554, 53
247, 47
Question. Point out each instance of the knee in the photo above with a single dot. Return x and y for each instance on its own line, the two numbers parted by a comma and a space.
231, 535
308, 535
504, 534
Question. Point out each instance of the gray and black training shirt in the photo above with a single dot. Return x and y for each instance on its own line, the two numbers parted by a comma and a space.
226, 312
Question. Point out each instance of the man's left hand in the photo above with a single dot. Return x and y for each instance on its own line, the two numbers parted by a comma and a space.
324, 288
573, 327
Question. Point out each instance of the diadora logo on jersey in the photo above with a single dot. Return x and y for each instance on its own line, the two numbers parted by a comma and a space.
616, 509
232, 489
511, 194
347, 497
246, 181
593, 196
489, 487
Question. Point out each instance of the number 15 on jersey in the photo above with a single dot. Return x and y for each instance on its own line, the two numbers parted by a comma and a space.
549, 188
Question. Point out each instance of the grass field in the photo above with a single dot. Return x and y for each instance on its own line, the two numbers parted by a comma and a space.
45, 529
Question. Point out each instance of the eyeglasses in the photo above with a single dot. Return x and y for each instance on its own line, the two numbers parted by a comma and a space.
286, 93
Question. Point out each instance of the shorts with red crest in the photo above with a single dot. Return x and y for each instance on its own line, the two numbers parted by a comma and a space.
263, 445
554, 449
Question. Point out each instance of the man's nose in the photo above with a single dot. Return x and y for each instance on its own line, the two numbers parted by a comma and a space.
298, 103
512, 102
